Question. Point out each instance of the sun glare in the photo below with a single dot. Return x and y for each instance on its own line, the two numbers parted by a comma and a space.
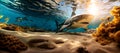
93, 8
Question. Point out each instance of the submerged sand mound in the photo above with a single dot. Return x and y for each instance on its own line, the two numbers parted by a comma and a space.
49, 42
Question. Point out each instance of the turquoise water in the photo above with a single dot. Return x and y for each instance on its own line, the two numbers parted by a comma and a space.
37, 20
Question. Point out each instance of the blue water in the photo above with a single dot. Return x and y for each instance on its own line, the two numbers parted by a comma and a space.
46, 22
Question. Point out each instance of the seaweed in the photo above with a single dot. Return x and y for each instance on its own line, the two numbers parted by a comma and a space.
11, 43
109, 32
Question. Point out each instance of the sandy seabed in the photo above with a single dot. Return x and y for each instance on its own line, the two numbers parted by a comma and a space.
50, 42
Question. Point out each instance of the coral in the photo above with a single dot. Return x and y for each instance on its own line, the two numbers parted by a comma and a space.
10, 43
14, 27
117, 36
109, 32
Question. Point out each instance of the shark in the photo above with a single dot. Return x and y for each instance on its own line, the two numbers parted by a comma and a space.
76, 21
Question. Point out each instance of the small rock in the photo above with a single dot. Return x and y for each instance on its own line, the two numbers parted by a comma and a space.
82, 50
58, 41
46, 45
32, 42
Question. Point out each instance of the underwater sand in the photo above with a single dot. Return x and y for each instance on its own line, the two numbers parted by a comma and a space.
62, 42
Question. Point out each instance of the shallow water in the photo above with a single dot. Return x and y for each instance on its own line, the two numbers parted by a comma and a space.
40, 18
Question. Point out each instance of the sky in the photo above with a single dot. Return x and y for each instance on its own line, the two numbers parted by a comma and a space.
99, 8
102, 5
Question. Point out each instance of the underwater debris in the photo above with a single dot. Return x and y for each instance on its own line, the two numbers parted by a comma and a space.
1, 16
109, 32
10, 43
20, 19
6, 20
